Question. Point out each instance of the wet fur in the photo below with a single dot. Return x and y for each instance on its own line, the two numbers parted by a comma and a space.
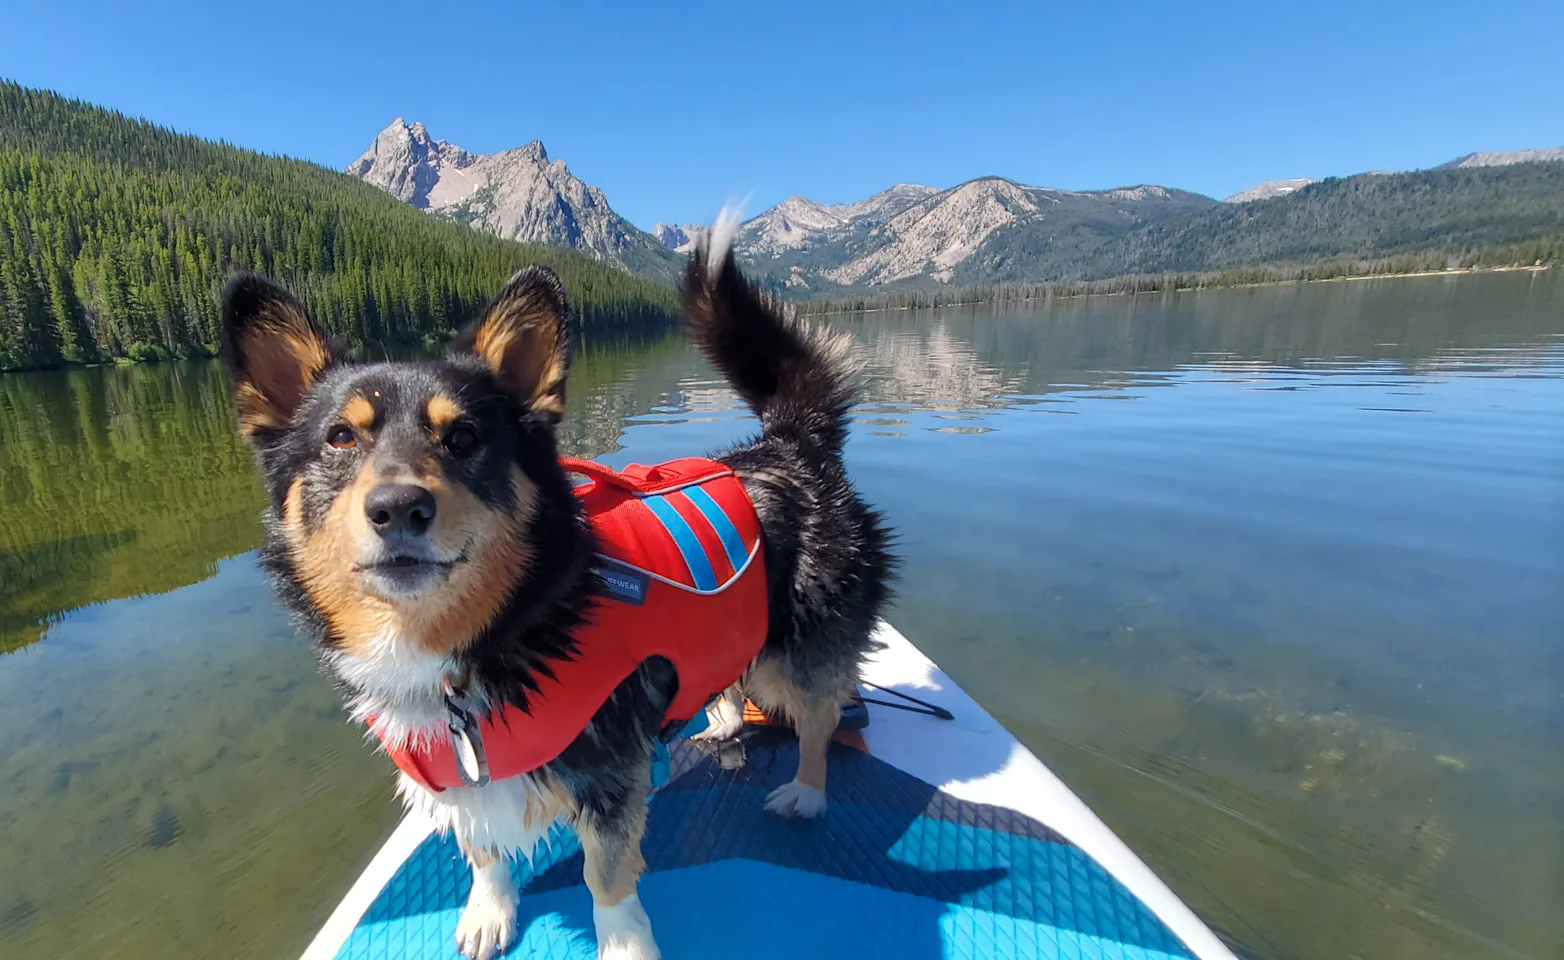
520, 582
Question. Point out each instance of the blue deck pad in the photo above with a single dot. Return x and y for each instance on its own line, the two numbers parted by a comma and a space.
894, 869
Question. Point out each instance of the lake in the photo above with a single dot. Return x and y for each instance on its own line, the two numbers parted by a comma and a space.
1271, 576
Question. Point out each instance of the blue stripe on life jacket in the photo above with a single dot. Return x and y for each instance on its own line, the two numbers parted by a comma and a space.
732, 543
694, 554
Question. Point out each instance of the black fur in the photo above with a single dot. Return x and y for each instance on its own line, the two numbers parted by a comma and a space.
535, 627
827, 554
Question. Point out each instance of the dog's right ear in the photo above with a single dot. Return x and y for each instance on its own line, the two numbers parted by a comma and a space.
525, 340
273, 351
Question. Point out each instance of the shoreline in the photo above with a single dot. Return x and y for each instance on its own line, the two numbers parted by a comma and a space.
1451, 272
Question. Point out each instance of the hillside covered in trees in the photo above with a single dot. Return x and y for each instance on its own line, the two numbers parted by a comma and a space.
116, 236
1363, 226
1460, 213
988, 238
1379, 222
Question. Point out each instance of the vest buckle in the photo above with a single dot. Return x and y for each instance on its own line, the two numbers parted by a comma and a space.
472, 762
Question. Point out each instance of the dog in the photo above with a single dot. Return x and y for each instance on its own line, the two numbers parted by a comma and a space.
424, 533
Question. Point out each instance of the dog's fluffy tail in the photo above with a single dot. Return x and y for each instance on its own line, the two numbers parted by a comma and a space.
799, 380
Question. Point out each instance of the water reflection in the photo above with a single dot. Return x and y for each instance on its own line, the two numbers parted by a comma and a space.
115, 482
1285, 611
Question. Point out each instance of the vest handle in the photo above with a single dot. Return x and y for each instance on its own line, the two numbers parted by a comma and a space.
636, 478
598, 472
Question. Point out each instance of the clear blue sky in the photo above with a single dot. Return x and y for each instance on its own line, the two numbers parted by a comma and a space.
672, 108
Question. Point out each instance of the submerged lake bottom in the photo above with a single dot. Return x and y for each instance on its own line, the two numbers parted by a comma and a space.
1271, 577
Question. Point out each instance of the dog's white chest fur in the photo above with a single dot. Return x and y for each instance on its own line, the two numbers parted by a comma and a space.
402, 686
398, 683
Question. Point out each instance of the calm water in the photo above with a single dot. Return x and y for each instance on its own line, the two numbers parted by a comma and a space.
1272, 577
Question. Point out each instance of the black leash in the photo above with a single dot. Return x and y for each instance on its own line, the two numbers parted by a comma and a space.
922, 706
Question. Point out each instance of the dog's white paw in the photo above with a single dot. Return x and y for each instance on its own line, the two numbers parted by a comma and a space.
723, 722
794, 799
717, 732
624, 932
489, 922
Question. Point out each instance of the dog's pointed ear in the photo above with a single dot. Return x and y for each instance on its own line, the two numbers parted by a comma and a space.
525, 340
273, 351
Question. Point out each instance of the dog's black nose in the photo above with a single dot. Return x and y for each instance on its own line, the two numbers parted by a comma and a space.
399, 508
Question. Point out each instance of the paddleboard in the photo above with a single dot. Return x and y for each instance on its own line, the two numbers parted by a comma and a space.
945, 838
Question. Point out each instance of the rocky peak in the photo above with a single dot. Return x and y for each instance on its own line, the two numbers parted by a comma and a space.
680, 238
533, 152
1269, 189
799, 222
406, 162
519, 194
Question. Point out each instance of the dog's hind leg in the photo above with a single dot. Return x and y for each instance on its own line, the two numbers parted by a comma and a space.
489, 922
611, 828
804, 795
814, 713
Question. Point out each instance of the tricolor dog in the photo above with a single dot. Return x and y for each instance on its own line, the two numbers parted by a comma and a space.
518, 641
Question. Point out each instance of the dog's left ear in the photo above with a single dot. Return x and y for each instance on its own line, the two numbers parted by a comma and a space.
524, 339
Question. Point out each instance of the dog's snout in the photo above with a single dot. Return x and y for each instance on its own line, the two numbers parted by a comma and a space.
399, 508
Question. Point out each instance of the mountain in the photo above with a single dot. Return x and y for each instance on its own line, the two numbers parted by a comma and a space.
679, 238
518, 194
117, 235
992, 230
1269, 189
797, 223
1504, 159
978, 231
1453, 210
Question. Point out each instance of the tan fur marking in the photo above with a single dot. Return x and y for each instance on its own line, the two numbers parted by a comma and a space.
444, 619
814, 719
498, 558
256, 413
442, 412
307, 351
326, 561
519, 338
293, 513
282, 358
359, 414
481, 857
814, 730
556, 802
614, 863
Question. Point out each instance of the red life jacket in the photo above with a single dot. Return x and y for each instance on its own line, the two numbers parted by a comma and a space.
680, 556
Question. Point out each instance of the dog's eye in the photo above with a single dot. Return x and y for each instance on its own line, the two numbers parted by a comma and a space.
342, 438
461, 439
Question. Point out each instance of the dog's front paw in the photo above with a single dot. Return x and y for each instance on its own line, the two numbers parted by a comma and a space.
794, 799
488, 923
624, 932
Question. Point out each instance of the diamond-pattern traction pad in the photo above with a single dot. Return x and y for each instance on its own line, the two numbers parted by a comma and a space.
895, 868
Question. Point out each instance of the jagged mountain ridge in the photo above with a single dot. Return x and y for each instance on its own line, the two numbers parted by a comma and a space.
986, 230
912, 234
798, 223
518, 194
992, 230
678, 237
